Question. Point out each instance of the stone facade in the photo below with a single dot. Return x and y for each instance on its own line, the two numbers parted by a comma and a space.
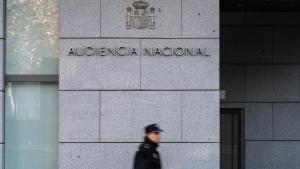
105, 101
1, 85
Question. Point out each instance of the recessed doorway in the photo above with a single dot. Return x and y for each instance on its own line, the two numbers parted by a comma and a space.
232, 138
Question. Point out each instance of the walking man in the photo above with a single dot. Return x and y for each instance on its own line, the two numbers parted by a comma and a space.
147, 157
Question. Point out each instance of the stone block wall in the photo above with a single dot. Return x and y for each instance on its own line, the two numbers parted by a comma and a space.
105, 102
260, 72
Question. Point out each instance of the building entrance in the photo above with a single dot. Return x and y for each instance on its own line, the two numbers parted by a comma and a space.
232, 138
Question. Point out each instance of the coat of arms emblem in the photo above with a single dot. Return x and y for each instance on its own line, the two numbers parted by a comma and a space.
140, 16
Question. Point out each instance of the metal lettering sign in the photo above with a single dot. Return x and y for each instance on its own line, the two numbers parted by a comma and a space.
132, 51
139, 16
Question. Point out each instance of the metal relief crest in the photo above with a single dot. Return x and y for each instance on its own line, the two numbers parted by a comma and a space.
140, 16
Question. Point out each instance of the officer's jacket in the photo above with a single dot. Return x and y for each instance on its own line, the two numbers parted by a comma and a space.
147, 157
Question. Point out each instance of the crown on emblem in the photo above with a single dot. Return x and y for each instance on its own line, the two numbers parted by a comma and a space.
140, 4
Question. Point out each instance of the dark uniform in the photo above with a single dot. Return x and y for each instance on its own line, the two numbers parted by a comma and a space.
147, 157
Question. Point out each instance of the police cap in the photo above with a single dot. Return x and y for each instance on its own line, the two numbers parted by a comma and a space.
152, 128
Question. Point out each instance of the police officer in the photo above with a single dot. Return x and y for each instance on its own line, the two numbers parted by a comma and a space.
147, 157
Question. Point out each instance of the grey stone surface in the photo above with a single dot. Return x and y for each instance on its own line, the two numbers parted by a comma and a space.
273, 18
79, 18
286, 154
173, 155
124, 115
233, 81
200, 19
2, 117
97, 155
200, 116
98, 72
190, 155
79, 116
286, 121
80, 156
1, 156
259, 155
258, 119
168, 19
1, 65
246, 45
124, 153
233, 18
1, 18
272, 83
272, 154
286, 44
181, 72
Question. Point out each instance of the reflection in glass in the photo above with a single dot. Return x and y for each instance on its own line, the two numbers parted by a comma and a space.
32, 37
31, 125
